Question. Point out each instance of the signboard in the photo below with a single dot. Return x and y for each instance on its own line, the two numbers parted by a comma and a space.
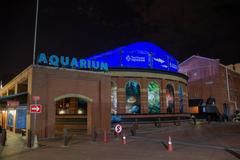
118, 128
135, 59
139, 55
12, 103
21, 114
35, 108
160, 62
74, 63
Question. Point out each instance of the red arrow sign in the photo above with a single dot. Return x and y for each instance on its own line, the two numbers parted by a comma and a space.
35, 108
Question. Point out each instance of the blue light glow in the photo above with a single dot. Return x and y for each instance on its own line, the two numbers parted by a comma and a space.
139, 55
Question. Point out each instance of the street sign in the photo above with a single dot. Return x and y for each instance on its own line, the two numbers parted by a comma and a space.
36, 98
118, 128
35, 108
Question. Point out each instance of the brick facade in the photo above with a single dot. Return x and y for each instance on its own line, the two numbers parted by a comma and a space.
55, 84
208, 78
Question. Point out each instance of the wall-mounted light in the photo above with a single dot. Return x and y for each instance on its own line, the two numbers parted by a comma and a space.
62, 111
80, 111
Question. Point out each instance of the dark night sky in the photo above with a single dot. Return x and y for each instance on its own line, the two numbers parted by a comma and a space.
85, 27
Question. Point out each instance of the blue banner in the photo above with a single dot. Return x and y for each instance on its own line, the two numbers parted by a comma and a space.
21, 118
160, 62
135, 59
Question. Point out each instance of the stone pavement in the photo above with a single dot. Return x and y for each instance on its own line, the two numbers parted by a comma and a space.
217, 141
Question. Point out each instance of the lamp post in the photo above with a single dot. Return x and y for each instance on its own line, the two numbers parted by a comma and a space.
35, 32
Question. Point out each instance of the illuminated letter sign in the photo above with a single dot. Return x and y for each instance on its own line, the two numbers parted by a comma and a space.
54, 60
75, 63
42, 59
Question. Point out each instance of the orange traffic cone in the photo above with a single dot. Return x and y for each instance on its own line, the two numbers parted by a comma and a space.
124, 139
170, 147
105, 140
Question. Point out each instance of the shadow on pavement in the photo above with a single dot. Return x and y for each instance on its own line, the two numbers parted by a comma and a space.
233, 153
164, 145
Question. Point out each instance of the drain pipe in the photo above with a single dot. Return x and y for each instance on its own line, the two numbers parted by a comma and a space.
226, 72
228, 92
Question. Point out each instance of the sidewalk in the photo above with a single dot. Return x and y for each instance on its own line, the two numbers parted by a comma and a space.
15, 144
189, 142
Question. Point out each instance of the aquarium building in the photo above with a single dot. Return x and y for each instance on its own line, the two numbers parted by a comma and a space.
138, 82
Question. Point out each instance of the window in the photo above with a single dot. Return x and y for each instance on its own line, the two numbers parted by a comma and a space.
180, 91
132, 97
170, 98
71, 106
113, 98
153, 98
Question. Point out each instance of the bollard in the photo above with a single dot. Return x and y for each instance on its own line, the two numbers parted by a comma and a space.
4, 137
133, 131
94, 134
65, 137
157, 124
105, 138
179, 121
29, 139
135, 126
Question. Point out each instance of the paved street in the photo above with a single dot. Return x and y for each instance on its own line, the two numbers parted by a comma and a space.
215, 141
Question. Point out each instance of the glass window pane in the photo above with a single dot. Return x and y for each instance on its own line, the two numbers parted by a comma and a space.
170, 99
153, 98
180, 91
132, 97
114, 98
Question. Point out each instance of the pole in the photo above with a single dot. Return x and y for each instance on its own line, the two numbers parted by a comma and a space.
29, 142
35, 32
34, 127
228, 94
35, 119
35, 142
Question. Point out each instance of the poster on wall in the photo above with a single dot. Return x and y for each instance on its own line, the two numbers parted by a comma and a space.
170, 99
181, 99
114, 100
132, 97
10, 116
153, 98
21, 114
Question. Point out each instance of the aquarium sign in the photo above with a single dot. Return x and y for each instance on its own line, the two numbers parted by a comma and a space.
74, 63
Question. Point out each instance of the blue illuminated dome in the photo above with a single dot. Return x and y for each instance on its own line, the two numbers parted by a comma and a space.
142, 55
